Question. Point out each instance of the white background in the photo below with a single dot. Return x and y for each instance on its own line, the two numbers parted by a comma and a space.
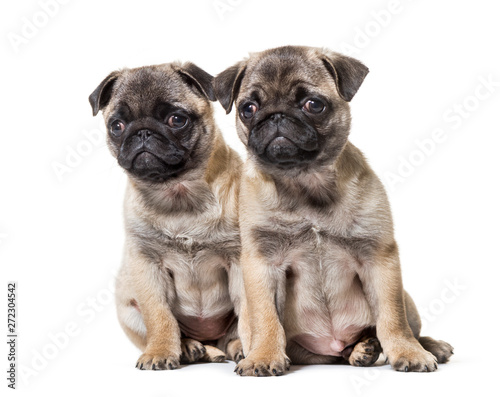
61, 235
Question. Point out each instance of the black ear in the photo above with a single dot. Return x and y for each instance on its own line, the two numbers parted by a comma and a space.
102, 94
227, 85
200, 79
347, 72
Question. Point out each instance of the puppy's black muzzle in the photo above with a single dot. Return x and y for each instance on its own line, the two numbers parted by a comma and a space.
284, 141
151, 152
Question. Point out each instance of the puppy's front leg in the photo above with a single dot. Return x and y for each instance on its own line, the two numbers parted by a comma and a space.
163, 336
382, 282
268, 343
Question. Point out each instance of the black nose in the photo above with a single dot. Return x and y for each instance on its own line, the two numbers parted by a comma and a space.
144, 134
277, 117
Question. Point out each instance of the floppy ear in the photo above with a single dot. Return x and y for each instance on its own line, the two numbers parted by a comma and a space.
199, 79
347, 72
102, 94
227, 85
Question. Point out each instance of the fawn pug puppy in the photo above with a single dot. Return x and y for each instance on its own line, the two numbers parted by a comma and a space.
182, 238
319, 260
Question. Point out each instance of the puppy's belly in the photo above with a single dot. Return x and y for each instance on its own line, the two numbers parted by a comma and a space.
201, 303
328, 327
326, 308
205, 329
329, 345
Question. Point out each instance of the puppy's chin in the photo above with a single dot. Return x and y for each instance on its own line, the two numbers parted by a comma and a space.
150, 168
282, 153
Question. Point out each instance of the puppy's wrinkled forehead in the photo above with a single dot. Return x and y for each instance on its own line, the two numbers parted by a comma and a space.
142, 90
283, 70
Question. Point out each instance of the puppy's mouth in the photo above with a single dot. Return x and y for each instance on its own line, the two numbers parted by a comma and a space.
284, 153
284, 142
152, 157
282, 150
145, 160
150, 167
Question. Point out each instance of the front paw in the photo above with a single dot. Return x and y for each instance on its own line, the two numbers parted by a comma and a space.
158, 361
263, 365
411, 357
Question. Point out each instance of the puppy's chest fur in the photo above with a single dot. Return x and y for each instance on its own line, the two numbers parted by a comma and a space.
186, 233
333, 229
194, 251
321, 250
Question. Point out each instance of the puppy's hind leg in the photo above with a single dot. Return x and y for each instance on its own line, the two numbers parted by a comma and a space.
366, 352
213, 355
231, 343
129, 314
235, 350
192, 350
440, 349
132, 323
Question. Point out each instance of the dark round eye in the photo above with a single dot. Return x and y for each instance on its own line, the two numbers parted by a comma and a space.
314, 106
248, 110
117, 127
177, 121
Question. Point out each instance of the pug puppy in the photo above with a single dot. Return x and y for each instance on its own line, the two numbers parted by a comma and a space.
320, 264
182, 240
